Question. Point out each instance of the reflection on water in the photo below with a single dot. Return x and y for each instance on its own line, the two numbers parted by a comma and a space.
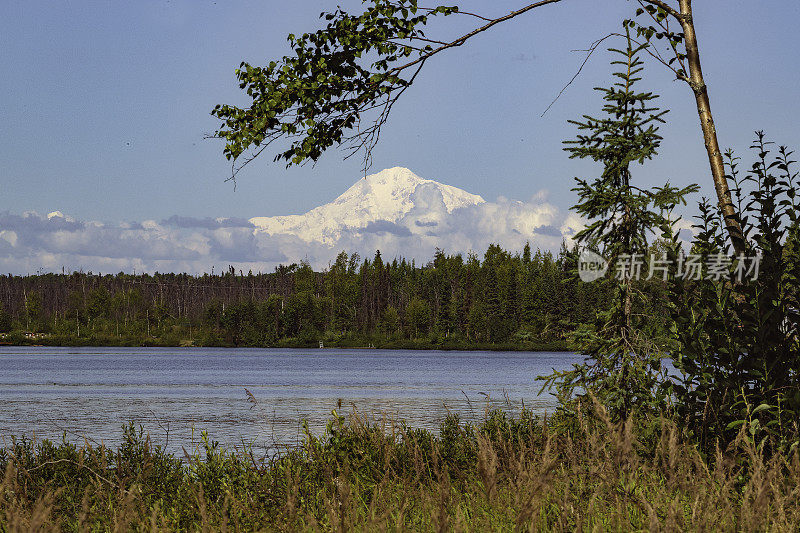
174, 393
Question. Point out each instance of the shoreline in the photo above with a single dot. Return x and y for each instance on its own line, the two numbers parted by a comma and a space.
397, 344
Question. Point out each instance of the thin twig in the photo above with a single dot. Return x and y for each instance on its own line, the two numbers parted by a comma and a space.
70, 461
589, 51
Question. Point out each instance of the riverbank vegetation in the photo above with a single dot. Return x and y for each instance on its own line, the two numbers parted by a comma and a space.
583, 472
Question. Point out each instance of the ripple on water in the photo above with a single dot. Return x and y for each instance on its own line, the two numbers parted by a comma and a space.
174, 394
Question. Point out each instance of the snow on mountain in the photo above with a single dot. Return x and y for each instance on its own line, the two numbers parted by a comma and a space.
375, 203
393, 211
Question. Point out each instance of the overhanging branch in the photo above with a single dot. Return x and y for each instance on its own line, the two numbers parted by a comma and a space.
666, 7
461, 40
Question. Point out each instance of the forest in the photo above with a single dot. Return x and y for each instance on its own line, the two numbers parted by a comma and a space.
505, 300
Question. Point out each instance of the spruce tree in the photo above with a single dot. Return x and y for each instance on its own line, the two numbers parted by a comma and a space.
624, 365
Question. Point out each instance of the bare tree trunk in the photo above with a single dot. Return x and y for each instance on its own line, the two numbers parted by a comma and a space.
698, 85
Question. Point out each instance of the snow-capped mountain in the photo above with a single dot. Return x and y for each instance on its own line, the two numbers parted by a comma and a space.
381, 199
394, 211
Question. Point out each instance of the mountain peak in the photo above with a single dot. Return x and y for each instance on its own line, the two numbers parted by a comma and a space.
390, 190
385, 186
388, 195
395, 174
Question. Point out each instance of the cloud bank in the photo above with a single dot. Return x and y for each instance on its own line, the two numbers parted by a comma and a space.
31, 242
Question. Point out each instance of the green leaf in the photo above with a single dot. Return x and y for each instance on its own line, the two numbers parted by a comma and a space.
762, 407
735, 424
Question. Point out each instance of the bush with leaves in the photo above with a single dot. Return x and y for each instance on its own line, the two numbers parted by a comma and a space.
737, 326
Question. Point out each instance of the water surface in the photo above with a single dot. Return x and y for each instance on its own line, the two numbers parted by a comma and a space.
174, 393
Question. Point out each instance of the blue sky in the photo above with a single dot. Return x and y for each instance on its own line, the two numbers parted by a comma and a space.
105, 104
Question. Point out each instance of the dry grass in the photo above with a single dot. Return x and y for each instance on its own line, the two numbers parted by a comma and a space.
580, 474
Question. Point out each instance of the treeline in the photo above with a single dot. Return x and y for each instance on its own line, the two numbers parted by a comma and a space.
502, 299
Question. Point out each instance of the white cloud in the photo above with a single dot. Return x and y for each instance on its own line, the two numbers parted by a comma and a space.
393, 211
31, 242
9, 236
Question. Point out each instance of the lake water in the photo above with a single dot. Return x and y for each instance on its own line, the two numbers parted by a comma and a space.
174, 393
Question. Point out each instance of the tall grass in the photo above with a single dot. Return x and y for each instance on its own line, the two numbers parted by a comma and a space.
577, 473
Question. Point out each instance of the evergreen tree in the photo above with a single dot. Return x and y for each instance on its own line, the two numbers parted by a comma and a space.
5, 320
624, 366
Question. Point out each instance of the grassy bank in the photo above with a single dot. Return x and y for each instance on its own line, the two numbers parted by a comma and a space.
504, 474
